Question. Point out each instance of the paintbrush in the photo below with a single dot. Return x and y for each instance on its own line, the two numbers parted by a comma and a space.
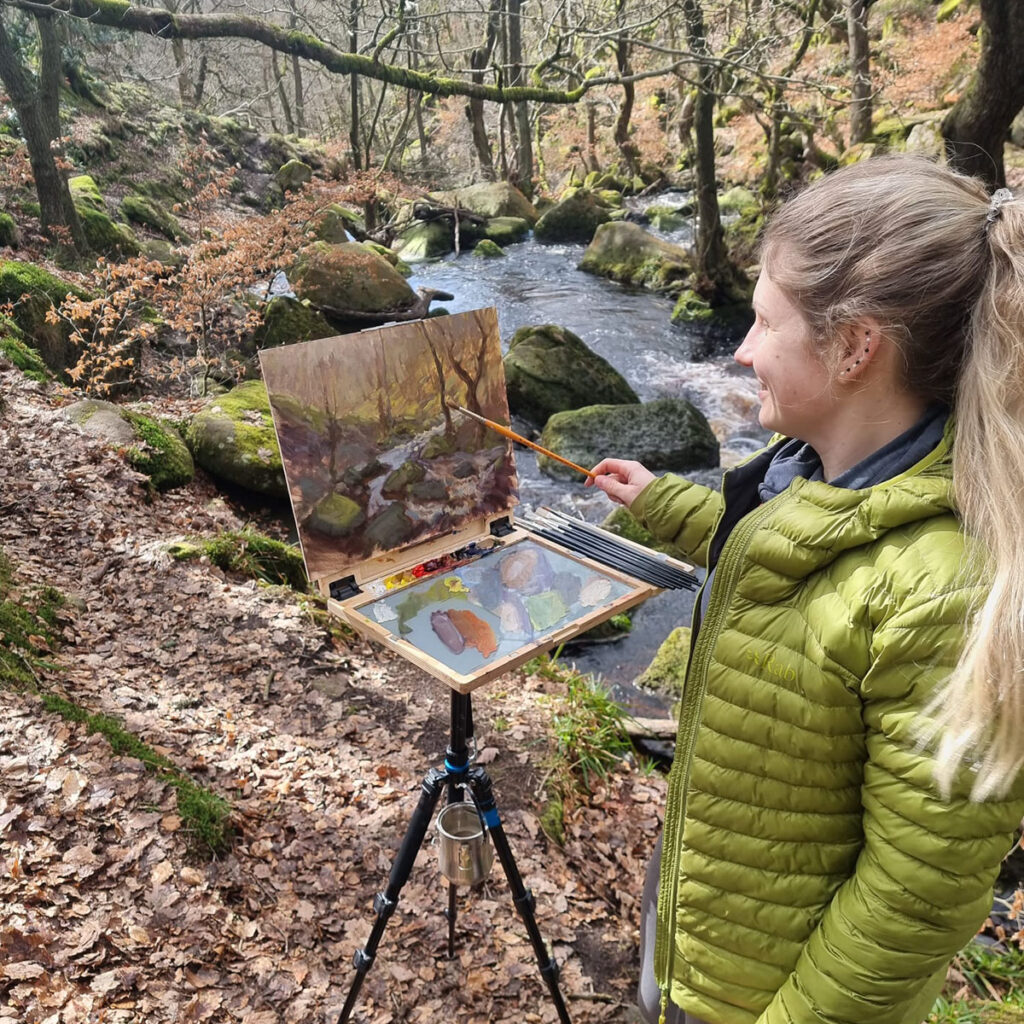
506, 432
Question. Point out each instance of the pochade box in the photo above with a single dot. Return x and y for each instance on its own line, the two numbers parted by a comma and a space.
404, 505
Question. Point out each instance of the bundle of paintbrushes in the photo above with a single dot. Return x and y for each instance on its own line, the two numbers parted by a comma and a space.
608, 549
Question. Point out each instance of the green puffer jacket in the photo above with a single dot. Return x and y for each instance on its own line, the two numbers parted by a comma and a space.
811, 873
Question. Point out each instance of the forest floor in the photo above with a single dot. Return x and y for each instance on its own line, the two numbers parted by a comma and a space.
320, 745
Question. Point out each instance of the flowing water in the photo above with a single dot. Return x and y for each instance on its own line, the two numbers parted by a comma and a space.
539, 284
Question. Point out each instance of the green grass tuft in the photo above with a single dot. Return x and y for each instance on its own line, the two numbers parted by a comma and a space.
249, 553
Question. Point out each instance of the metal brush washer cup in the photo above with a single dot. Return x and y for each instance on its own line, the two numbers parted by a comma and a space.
464, 852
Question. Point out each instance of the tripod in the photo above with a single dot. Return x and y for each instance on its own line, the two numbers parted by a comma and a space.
458, 774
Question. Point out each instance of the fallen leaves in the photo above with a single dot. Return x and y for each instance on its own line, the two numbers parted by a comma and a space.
104, 912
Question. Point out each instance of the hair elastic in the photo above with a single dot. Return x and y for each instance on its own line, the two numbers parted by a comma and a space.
995, 206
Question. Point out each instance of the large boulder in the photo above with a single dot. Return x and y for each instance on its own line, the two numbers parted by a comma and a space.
102, 234
349, 277
287, 320
506, 230
32, 292
549, 369
233, 439
574, 219
492, 199
625, 252
424, 240
666, 434
153, 447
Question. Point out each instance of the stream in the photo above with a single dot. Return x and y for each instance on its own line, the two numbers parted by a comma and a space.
539, 284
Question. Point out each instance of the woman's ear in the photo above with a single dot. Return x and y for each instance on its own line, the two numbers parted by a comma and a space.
859, 349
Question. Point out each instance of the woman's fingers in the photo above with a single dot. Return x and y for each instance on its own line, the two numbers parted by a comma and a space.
621, 479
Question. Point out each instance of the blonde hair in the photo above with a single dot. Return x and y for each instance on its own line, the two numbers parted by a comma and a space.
918, 248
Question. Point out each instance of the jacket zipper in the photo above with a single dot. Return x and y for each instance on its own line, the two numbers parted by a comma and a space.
726, 576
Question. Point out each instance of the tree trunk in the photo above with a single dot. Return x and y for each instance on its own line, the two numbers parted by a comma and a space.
478, 61
860, 70
299, 94
37, 106
627, 149
522, 176
975, 129
712, 264
353, 122
282, 96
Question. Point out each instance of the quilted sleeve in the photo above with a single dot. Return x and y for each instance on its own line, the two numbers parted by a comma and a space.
679, 512
923, 882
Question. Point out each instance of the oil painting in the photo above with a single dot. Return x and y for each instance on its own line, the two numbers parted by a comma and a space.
508, 600
375, 456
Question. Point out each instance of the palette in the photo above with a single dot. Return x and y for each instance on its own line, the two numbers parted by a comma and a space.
404, 507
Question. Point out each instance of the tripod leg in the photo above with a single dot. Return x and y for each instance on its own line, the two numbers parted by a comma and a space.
384, 903
451, 914
480, 784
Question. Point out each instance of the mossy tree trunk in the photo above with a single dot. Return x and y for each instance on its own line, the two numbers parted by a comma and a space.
860, 70
976, 127
626, 148
353, 109
36, 101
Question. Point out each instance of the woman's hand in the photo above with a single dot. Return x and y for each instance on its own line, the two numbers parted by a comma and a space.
621, 479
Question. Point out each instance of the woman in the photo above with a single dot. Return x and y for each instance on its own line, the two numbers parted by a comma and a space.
846, 773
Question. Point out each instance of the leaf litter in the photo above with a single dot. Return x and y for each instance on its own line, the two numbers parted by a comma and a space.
106, 912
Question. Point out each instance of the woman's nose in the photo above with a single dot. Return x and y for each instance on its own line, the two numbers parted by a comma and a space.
744, 355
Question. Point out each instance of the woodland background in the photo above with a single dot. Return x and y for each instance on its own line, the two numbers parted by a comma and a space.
203, 778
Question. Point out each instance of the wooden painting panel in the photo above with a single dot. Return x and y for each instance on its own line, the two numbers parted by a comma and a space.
374, 457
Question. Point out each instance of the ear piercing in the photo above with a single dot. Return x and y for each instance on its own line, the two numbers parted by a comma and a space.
867, 334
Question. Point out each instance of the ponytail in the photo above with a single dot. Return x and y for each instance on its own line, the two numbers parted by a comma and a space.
980, 713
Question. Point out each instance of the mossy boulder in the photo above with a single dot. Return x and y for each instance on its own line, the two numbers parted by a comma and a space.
106, 237
740, 201
101, 419
336, 516
23, 357
390, 528
293, 175
337, 223
666, 434
692, 308
492, 199
159, 452
10, 237
233, 439
32, 292
506, 230
348, 276
287, 320
624, 252
487, 249
549, 369
574, 219
402, 479
665, 217
425, 240
85, 193
390, 255
667, 671
150, 214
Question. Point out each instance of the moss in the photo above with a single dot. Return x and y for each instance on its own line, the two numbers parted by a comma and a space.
28, 629
667, 670
150, 214
106, 237
205, 816
163, 456
8, 231
488, 249
21, 355
250, 553
85, 193
691, 308
287, 320
293, 175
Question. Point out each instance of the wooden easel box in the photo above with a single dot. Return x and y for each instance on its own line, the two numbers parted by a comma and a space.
354, 590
